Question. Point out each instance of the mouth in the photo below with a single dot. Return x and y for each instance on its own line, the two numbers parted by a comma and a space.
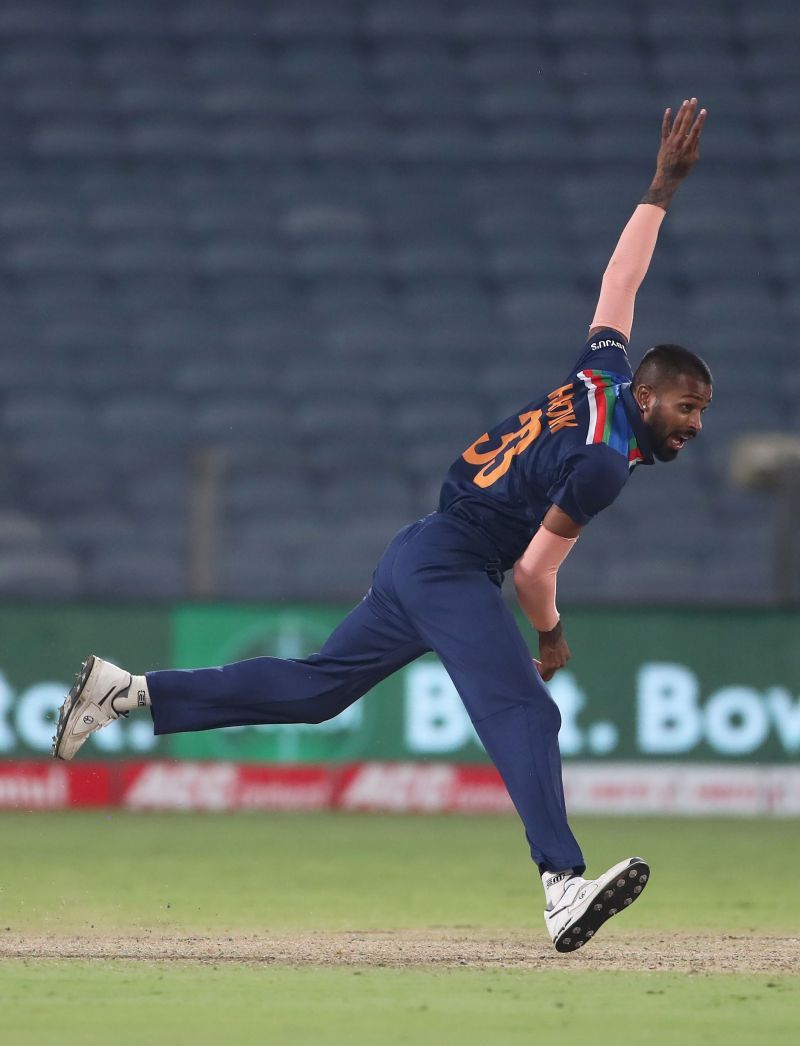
676, 442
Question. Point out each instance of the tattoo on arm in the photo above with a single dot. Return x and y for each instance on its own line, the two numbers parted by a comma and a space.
661, 191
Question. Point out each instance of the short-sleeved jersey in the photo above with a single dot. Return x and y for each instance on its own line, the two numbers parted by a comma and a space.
574, 447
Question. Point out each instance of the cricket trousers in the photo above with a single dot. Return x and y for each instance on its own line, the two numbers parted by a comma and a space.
436, 587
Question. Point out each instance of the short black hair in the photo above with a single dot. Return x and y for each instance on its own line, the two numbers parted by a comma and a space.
664, 364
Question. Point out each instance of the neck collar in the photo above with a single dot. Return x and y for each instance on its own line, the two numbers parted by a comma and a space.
637, 424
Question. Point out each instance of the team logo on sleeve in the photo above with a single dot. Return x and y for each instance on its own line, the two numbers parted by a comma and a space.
607, 343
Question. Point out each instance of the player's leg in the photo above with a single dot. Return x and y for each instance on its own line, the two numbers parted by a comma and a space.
460, 614
373, 641
459, 611
364, 649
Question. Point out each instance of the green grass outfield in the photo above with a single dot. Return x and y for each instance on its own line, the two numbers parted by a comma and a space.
94, 874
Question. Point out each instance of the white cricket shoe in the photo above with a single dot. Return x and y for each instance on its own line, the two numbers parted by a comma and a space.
587, 903
89, 705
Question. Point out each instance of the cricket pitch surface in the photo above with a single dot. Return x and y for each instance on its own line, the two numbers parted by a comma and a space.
678, 952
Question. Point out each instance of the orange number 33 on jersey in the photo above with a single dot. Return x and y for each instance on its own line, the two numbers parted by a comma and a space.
496, 461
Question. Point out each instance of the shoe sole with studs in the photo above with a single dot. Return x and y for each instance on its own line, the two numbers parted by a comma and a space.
70, 701
617, 893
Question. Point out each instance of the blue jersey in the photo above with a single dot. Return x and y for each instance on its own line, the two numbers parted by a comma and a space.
574, 447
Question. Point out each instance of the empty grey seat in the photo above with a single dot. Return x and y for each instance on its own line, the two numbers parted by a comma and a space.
34, 60
32, 211
208, 19
153, 419
207, 378
147, 253
326, 217
534, 142
532, 261
601, 104
707, 26
321, 62
419, 258
445, 100
39, 573
508, 63
719, 260
342, 417
512, 20
146, 21
136, 214
234, 420
227, 60
251, 573
19, 530
93, 527
336, 258
135, 572
45, 101
518, 101
553, 308
40, 19
441, 141
586, 22
45, 253
45, 411
77, 138
578, 63
773, 23
675, 579
313, 20
251, 494
158, 490
624, 145
346, 138
400, 19
268, 141
773, 62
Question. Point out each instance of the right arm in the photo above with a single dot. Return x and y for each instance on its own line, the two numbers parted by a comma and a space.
677, 154
535, 575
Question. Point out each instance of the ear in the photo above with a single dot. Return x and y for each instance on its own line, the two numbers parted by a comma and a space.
644, 396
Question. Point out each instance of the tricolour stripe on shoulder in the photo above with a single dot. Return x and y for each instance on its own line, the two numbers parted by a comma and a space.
608, 422
602, 400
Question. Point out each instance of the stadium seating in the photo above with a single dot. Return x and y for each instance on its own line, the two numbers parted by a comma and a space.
335, 242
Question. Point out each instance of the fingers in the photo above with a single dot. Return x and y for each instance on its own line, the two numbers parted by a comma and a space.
694, 133
666, 123
683, 121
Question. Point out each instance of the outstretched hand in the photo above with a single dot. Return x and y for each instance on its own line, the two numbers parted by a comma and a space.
680, 140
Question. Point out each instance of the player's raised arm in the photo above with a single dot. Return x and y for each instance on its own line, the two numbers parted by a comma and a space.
677, 154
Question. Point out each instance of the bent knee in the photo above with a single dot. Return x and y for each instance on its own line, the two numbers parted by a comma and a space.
323, 713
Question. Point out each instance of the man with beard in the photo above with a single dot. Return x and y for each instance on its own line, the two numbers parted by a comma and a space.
516, 498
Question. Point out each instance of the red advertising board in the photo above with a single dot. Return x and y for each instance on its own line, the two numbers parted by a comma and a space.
620, 788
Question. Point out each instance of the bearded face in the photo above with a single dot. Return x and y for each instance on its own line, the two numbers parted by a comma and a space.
673, 413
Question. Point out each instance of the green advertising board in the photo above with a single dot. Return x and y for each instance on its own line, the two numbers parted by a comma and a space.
643, 684
664, 684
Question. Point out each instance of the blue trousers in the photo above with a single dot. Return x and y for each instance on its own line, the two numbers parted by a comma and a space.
436, 587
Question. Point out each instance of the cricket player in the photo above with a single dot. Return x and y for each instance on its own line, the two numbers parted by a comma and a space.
516, 499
